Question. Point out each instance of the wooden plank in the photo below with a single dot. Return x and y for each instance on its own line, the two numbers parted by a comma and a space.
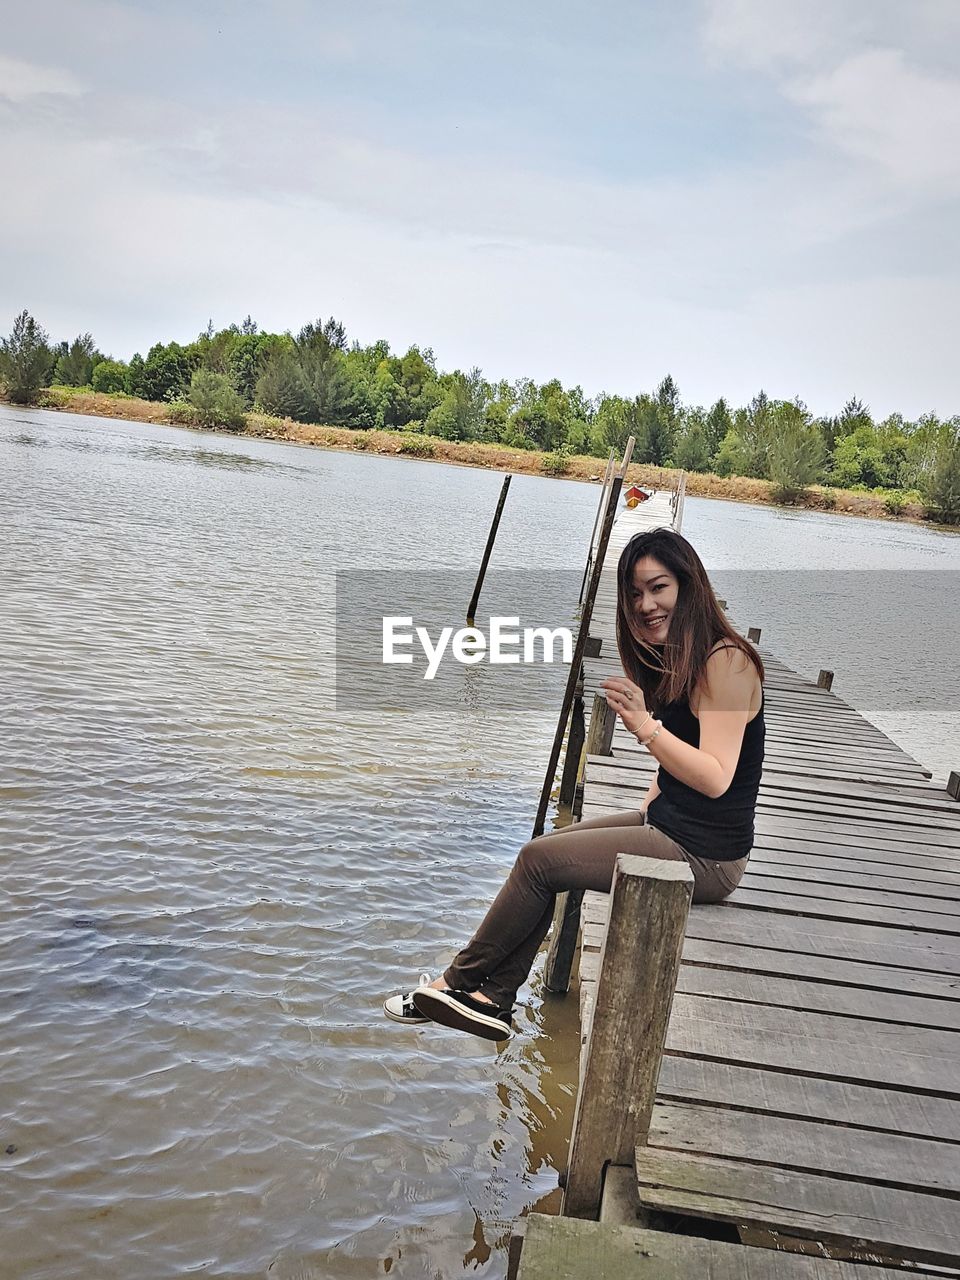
798, 904
921, 1164
610, 769
854, 889
820, 968
564, 1248
933, 875
815, 1044
819, 997
875, 944
827, 908
868, 1221
784, 1093
843, 940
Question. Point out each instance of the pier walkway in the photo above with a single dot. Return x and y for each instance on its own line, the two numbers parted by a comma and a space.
809, 1093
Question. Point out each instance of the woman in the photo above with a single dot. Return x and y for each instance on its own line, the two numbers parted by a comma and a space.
693, 696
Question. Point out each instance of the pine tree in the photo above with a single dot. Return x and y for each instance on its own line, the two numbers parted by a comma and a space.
25, 359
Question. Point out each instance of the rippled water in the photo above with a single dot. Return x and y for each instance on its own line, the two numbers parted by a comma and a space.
214, 873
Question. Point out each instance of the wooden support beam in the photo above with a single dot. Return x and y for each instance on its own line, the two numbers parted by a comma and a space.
566, 917
571, 762
639, 963
825, 680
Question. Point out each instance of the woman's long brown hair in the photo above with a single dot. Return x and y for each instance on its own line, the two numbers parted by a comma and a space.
672, 671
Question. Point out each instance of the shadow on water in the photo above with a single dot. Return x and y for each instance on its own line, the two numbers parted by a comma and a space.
216, 458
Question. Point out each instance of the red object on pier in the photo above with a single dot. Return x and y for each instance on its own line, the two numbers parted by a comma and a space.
635, 495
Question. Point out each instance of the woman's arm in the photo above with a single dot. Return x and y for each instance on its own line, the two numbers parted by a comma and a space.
726, 692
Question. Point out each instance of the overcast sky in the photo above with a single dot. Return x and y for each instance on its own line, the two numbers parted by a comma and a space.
743, 193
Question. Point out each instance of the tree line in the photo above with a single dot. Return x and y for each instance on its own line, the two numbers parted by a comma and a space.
318, 376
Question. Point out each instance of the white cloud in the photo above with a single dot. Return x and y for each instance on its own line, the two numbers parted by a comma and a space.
20, 81
765, 35
880, 108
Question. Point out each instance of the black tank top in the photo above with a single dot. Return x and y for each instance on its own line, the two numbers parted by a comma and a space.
720, 829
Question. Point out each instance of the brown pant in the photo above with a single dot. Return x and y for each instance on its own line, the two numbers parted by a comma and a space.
501, 953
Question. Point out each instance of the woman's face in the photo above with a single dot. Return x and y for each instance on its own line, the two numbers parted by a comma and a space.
655, 591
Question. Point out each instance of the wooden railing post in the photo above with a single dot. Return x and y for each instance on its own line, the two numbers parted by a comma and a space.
753, 635
575, 734
639, 963
953, 786
579, 647
825, 680
566, 917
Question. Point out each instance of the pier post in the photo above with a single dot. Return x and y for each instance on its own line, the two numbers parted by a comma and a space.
639, 964
825, 680
583, 632
571, 762
753, 635
607, 477
953, 785
566, 916
491, 538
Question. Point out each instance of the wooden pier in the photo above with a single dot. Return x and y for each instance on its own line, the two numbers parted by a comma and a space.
808, 1100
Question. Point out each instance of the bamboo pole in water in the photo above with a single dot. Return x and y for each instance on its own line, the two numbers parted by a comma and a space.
491, 538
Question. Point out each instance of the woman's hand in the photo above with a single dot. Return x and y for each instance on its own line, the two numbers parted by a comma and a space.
628, 701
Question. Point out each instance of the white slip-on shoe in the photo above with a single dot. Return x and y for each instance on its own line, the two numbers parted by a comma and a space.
401, 1008
460, 1010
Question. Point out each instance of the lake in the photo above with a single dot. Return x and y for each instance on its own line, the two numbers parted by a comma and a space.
221, 854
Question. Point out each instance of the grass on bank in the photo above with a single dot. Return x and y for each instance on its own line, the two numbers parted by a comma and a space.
883, 504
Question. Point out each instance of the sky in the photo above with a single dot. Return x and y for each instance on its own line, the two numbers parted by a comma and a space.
745, 194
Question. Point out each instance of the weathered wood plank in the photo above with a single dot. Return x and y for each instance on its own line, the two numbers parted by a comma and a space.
820, 997
563, 1248
888, 1158
858, 888
873, 944
825, 970
832, 908
815, 1043
775, 859
876, 1222
797, 1096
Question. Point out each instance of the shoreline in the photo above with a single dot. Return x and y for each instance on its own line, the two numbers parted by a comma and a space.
582, 468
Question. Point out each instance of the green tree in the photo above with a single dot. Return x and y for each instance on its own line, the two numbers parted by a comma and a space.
25, 359
109, 376
718, 423
612, 422
652, 426
459, 415
331, 396
134, 378
858, 460
795, 454
941, 488
280, 388
692, 449
166, 372
75, 367
732, 458
216, 401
